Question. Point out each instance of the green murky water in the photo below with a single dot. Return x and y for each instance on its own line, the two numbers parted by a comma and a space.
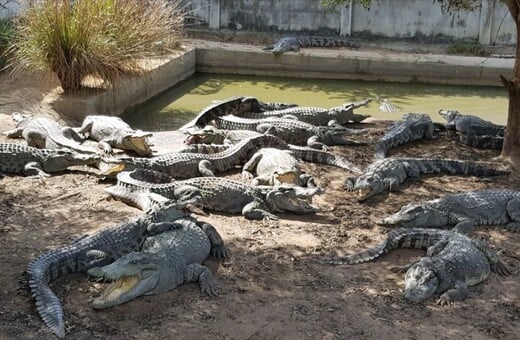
179, 105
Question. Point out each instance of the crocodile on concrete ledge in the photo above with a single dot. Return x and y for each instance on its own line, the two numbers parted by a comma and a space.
341, 115
142, 188
98, 249
187, 165
114, 132
287, 44
164, 262
411, 127
453, 263
389, 173
22, 159
463, 211
45, 133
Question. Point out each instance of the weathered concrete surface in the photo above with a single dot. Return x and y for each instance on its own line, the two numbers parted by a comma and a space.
165, 72
226, 58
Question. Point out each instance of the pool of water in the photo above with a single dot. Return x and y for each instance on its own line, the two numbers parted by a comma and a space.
178, 105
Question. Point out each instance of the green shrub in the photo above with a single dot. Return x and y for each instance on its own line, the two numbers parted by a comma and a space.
100, 38
468, 48
6, 35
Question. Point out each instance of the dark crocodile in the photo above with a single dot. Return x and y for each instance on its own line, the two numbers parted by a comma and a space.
293, 131
164, 262
187, 165
411, 127
237, 105
45, 133
389, 173
114, 132
482, 141
29, 161
341, 115
142, 188
94, 250
453, 263
463, 211
287, 44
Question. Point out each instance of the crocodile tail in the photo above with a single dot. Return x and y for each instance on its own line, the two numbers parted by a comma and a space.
323, 157
416, 238
483, 142
455, 167
326, 42
395, 135
213, 111
132, 195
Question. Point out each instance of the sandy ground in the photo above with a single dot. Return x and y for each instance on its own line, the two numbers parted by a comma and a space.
273, 286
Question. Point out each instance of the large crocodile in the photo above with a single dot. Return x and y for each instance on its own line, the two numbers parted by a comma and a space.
474, 131
287, 44
98, 249
233, 106
114, 132
389, 173
29, 161
411, 127
463, 211
212, 135
164, 262
187, 165
453, 263
293, 131
319, 116
143, 188
45, 133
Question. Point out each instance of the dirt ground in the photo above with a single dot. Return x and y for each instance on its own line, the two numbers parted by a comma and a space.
273, 287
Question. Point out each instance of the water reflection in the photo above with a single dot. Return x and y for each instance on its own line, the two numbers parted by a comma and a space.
178, 105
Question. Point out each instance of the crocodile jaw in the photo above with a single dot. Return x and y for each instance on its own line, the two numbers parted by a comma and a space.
364, 193
139, 144
421, 283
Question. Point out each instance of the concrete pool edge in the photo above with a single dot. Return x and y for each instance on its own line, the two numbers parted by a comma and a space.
227, 58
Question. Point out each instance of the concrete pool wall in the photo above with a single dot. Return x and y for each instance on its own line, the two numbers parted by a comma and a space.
227, 58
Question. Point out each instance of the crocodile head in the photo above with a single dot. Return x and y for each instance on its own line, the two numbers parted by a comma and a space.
207, 135
137, 141
132, 275
417, 215
368, 185
449, 115
19, 118
284, 45
421, 281
60, 160
292, 199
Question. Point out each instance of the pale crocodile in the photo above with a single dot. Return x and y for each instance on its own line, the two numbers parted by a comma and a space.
29, 161
114, 132
411, 127
164, 262
45, 133
463, 211
287, 44
187, 165
453, 263
389, 173
94, 250
142, 188
319, 116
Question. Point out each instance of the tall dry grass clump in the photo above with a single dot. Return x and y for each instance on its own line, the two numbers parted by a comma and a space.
100, 38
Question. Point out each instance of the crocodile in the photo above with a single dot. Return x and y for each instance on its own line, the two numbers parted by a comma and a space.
287, 44
29, 161
211, 135
236, 105
463, 211
45, 133
453, 263
164, 262
97, 249
389, 173
142, 188
114, 132
474, 131
187, 165
341, 115
293, 131
411, 127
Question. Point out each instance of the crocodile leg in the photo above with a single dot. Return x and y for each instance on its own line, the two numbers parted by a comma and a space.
218, 250
35, 139
248, 169
197, 272
437, 247
205, 168
34, 169
497, 266
513, 210
459, 293
15, 133
105, 146
464, 224
255, 211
